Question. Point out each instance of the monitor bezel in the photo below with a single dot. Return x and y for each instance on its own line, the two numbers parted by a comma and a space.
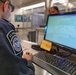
66, 48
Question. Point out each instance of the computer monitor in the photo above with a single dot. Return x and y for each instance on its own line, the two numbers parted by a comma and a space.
61, 31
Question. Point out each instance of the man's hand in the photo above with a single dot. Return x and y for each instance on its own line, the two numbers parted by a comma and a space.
28, 56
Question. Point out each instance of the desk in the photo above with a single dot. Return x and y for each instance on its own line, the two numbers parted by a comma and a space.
49, 68
38, 70
28, 44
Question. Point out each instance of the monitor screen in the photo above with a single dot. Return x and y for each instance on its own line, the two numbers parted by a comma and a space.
61, 30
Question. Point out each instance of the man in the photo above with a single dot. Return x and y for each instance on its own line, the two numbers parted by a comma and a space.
11, 61
54, 10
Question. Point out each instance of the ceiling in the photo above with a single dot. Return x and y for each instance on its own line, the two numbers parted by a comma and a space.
22, 3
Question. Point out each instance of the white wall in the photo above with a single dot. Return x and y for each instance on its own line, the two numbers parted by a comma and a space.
35, 16
23, 12
16, 12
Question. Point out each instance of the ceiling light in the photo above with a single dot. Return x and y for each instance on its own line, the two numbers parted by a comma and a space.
34, 6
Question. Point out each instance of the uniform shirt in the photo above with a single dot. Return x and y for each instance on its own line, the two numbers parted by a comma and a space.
11, 61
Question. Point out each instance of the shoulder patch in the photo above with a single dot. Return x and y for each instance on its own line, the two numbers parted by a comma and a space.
14, 41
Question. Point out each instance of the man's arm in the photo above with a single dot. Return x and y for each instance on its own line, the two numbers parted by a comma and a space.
11, 64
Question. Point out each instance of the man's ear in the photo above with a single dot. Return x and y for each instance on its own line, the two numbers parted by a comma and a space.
5, 6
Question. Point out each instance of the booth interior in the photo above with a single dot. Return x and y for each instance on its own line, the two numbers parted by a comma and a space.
57, 51
54, 48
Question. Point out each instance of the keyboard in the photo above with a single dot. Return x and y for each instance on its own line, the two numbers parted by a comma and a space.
67, 66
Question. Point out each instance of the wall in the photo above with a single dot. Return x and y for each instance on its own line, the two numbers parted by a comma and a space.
36, 15
16, 12
27, 12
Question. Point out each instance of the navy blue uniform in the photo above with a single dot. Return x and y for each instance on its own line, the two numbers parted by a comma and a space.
11, 61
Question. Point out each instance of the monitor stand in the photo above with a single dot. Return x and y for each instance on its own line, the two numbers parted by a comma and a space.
36, 47
63, 53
